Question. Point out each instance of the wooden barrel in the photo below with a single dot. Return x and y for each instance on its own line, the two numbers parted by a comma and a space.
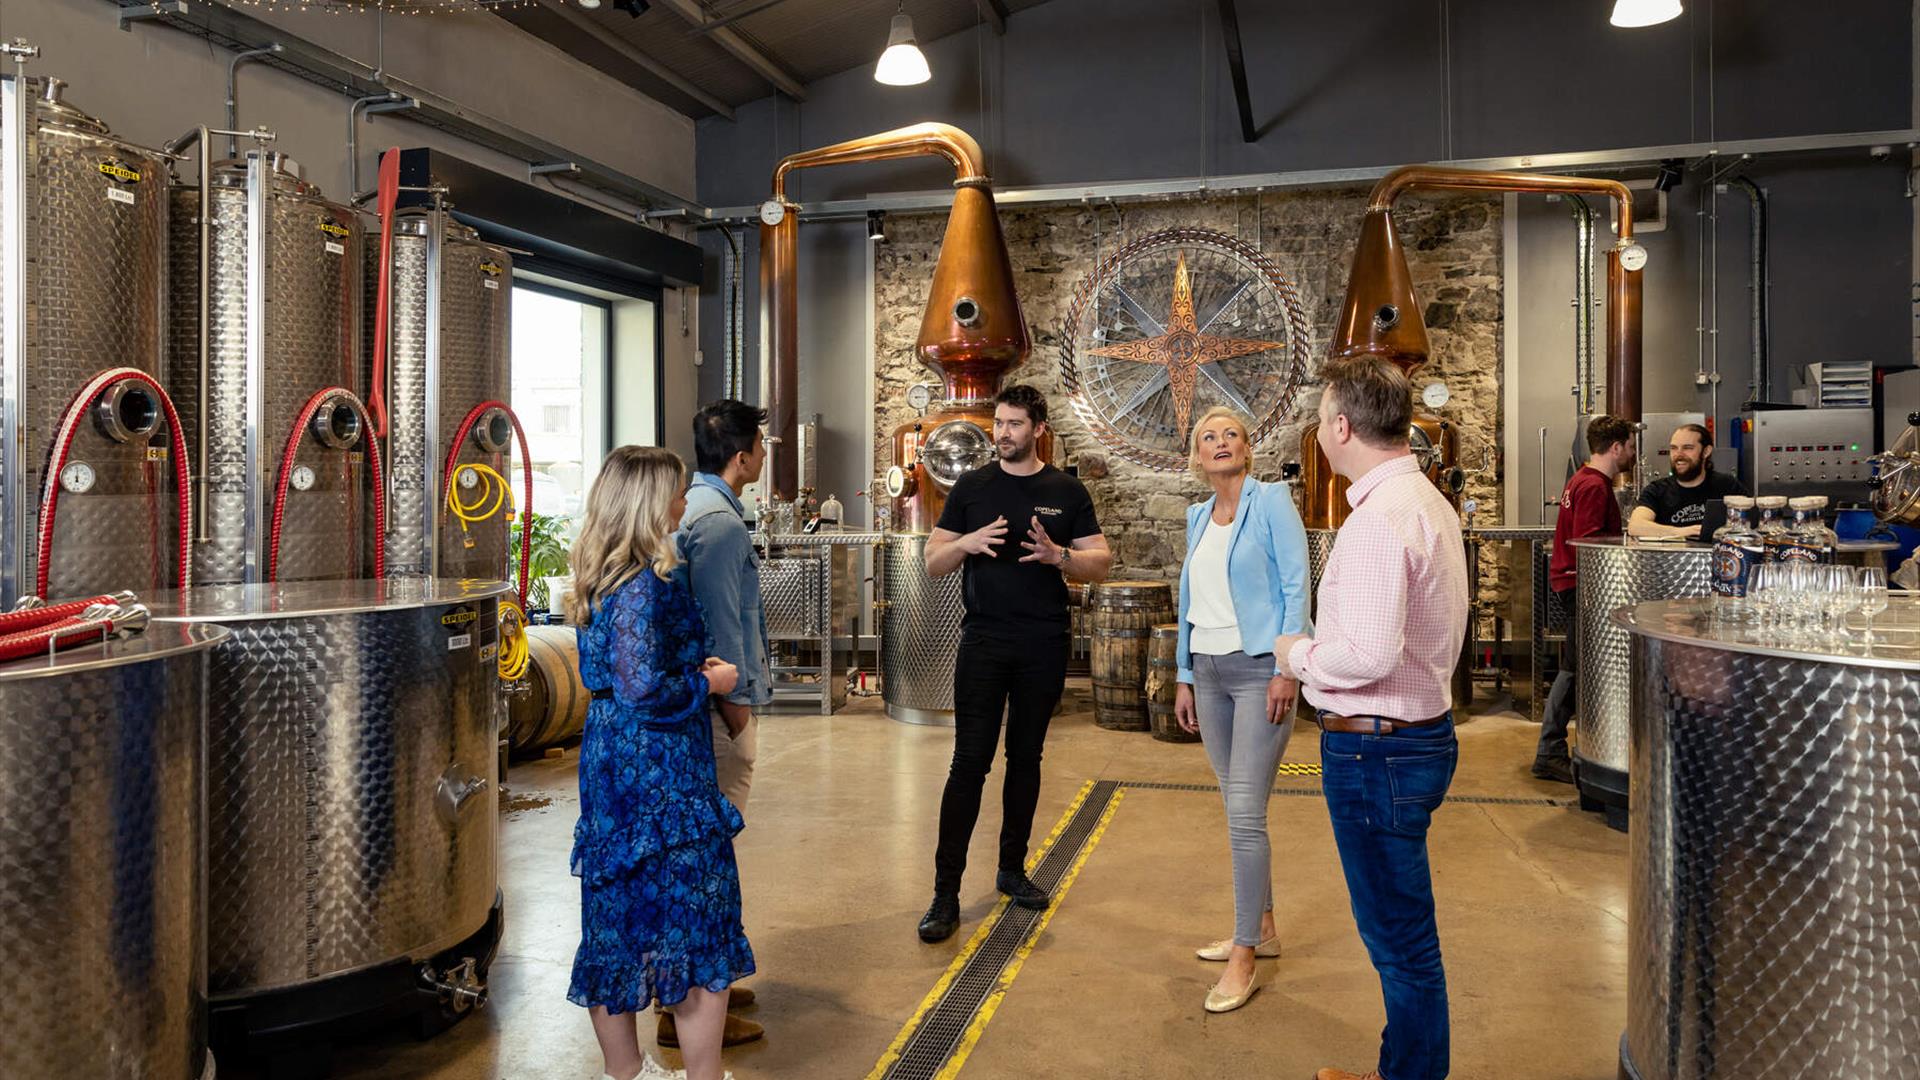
1163, 677
553, 710
1124, 613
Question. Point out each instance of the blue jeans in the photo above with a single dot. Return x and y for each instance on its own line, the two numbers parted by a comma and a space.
1381, 793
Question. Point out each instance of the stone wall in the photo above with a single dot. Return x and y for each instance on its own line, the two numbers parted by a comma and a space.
1453, 247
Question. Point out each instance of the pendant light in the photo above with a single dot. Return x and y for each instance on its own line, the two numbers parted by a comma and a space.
1636, 13
903, 64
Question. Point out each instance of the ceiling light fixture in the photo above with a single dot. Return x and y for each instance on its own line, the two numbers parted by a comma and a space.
1637, 13
877, 226
635, 8
903, 64
588, 4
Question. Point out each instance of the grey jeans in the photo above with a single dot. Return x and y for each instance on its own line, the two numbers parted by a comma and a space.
1230, 698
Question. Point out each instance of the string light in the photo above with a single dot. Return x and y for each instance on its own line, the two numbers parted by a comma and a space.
395, 7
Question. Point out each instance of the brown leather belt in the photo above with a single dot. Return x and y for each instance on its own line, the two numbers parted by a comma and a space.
1370, 725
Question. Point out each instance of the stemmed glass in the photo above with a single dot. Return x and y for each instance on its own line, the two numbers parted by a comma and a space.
1871, 586
1763, 593
1838, 598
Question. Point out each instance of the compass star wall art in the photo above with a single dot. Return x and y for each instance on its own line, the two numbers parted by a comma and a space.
1173, 324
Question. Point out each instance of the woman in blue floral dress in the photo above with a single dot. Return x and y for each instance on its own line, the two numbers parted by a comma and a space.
659, 891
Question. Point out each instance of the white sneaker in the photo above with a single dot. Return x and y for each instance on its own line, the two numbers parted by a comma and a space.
653, 1070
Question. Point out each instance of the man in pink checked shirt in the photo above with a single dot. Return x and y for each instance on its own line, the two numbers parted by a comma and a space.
1392, 611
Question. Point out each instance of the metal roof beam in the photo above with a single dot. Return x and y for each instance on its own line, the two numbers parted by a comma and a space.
995, 12
1237, 63
624, 50
742, 50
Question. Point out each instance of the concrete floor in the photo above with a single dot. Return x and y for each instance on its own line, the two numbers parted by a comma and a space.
836, 865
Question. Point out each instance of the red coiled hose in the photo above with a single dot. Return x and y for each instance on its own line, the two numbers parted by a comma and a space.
63, 442
14, 622
294, 437
389, 194
67, 632
526, 468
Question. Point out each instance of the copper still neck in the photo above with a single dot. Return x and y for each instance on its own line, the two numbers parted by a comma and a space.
1381, 316
973, 330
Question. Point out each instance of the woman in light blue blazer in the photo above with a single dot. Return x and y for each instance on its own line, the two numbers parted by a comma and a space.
1243, 583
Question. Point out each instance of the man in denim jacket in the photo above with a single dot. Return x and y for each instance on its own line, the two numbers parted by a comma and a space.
724, 572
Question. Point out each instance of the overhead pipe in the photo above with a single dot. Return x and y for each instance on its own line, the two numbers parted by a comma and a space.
233, 84
972, 329
372, 103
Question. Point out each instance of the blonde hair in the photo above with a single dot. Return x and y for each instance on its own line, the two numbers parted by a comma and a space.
629, 526
1193, 437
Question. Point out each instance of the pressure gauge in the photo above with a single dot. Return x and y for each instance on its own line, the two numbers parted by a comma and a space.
773, 212
919, 395
1633, 257
77, 478
302, 478
896, 481
1436, 395
469, 479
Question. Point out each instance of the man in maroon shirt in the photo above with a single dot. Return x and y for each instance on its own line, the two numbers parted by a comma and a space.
1587, 508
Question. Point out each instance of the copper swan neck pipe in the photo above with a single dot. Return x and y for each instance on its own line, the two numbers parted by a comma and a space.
936, 140
1381, 316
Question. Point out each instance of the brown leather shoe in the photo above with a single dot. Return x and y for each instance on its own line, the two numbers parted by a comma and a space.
737, 1031
1342, 1074
739, 997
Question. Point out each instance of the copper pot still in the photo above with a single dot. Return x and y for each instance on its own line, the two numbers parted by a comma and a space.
971, 334
1382, 317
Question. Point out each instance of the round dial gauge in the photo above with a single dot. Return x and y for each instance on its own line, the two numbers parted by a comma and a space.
1436, 395
919, 395
773, 212
954, 448
302, 478
77, 478
1633, 257
896, 481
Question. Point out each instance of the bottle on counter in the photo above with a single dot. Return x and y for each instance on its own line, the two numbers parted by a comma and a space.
830, 513
1737, 549
1809, 539
1772, 522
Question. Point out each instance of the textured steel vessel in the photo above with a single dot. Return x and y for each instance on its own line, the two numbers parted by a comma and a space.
352, 732
449, 347
919, 633
283, 302
1774, 909
83, 227
102, 827
1612, 573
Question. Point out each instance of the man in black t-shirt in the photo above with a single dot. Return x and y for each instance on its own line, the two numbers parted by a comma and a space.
1013, 639
1675, 505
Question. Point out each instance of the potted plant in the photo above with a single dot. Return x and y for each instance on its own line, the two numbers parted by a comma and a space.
549, 558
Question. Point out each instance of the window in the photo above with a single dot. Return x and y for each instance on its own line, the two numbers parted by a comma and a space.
560, 359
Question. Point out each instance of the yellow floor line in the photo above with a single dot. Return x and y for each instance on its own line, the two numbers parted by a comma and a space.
980, 935
992, 1004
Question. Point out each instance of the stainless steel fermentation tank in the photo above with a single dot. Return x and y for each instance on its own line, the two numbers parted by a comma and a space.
102, 946
283, 271
352, 733
448, 353
83, 227
1772, 929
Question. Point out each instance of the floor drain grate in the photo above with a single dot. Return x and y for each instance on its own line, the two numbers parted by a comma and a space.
1314, 792
941, 1029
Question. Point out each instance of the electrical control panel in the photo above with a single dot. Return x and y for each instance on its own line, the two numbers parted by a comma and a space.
1808, 452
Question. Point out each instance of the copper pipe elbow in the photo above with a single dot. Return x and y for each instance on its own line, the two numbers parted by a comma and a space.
939, 140
1399, 181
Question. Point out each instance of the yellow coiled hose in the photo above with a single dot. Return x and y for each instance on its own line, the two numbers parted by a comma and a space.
514, 651
492, 493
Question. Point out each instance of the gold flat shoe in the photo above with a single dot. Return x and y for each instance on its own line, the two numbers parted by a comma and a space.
1218, 1002
1220, 950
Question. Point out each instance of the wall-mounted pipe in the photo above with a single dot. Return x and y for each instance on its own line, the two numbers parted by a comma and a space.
1582, 305
730, 314
233, 97
1760, 314
388, 102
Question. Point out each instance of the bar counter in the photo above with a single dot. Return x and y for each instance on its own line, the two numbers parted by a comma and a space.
1774, 913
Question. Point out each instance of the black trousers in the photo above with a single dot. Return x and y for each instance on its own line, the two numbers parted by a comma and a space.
1022, 679
1557, 716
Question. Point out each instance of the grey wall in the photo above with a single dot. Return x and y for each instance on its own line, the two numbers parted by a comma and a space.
150, 84
1093, 90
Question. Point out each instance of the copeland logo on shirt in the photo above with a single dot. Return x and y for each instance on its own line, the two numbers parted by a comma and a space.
1050, 511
